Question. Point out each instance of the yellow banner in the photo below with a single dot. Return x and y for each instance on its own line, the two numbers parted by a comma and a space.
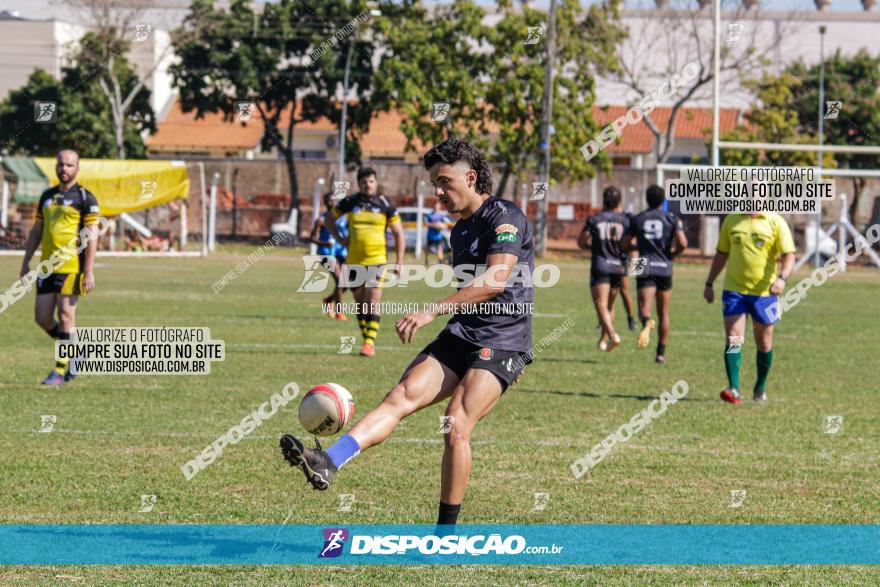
127, 185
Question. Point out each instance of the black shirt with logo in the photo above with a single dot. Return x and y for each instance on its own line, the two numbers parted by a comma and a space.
498, 226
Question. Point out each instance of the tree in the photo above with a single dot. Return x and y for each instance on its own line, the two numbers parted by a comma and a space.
673, 37
115, 89
83, 118
19, 133
772, 120
287, 60
585, 44
434, 57
493, 80
852, 81
102, 52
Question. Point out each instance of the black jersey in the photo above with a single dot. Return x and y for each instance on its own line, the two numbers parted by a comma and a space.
498, 226
655, 230
606, 230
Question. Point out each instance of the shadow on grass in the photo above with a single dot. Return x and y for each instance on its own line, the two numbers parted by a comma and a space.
608, 395
564, 360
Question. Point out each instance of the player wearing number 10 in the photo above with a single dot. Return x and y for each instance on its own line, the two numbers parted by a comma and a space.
603, 233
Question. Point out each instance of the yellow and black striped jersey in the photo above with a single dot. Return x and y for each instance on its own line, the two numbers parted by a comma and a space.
64, 214
368, 218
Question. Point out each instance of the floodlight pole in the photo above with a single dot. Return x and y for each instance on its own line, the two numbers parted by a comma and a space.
342, 130
822, 30
716, 85
546, 125
342, 125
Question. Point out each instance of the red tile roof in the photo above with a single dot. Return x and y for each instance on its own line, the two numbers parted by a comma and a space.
691, 123
181, 131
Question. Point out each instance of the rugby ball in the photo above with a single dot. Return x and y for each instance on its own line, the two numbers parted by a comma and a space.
326, 409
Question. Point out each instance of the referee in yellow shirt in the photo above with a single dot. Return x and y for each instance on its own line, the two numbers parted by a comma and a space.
63, 215
750, 246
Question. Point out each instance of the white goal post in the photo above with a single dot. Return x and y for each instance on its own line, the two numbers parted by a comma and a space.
842, 225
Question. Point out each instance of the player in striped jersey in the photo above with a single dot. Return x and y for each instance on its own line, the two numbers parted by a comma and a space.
369, 215
63, 214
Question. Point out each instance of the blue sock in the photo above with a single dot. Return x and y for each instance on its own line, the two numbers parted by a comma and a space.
343, 450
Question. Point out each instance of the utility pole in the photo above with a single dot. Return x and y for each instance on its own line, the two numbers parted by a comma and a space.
716, 85
546, 134
817, 259
342, 124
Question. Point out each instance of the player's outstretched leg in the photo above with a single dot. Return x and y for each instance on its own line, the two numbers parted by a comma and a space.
473, 398
315, 463
425, 382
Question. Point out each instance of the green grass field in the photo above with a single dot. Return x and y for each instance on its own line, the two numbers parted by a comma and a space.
118, 437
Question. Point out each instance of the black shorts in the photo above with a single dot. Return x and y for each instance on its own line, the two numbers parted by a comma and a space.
66, 284
662, 283
460, 355
597, 277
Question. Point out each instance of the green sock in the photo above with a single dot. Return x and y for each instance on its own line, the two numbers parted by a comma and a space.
732, 363
764, 360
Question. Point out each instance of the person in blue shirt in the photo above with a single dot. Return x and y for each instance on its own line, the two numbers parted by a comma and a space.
329, 247
438, 223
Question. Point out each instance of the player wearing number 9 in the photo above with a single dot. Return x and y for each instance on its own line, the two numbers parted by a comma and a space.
659, 237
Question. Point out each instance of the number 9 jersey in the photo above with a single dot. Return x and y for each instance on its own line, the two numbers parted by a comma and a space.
655, 230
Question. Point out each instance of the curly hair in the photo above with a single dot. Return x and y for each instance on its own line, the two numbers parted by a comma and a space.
366, 172
452, 151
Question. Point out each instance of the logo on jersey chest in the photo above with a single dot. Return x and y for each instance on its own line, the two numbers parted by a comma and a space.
474, 247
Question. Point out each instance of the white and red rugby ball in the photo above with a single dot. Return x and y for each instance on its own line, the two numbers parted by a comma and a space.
326, 409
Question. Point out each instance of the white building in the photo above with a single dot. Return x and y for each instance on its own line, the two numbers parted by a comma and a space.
663, 39
30, 44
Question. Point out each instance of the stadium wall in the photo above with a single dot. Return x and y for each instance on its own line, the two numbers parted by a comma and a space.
398, 179
262, 197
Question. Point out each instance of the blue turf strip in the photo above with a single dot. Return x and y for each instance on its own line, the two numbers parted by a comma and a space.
466, 544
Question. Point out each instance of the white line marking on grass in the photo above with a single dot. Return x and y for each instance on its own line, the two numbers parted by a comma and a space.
540, 315
293, 345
